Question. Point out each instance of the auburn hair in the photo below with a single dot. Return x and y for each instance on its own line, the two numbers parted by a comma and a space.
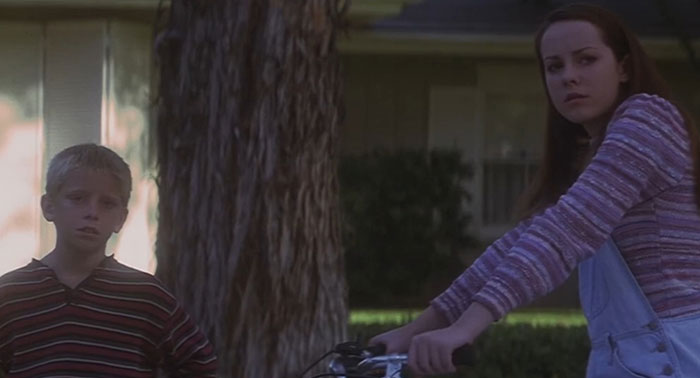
564, 150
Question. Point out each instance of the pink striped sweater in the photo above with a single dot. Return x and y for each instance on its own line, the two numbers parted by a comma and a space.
638, 188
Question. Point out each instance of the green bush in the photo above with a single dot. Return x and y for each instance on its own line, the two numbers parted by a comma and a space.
404, 224
516, 351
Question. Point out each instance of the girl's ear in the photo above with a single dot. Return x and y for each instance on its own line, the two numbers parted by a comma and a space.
623, 69
48, 207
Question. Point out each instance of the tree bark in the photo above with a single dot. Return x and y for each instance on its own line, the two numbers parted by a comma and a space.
249, 104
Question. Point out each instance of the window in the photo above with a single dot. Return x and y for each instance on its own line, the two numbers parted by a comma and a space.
62, 83
513, 135
20, 142
504, 181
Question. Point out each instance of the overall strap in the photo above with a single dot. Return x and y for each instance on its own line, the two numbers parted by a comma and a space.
611, 297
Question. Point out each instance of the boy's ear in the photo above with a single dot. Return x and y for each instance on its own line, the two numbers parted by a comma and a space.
48, 208
118, 226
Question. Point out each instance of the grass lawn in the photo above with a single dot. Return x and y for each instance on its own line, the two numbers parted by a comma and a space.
535, 317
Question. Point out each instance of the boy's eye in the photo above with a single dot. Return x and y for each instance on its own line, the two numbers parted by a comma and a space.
76, 197
109, 204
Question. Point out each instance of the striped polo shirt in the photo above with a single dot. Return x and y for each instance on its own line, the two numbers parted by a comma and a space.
638, 189
118, 322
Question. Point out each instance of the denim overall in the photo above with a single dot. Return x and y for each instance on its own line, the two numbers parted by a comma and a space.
627, 337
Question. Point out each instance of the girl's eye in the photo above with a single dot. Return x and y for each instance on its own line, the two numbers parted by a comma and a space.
76, 198
587, 59
553, 67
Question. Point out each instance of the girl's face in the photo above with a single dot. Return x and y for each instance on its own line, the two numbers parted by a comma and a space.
583, 76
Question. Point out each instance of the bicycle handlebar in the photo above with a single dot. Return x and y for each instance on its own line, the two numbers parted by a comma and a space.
355, 360
462, 356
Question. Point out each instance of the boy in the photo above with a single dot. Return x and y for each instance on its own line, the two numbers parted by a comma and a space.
78, 313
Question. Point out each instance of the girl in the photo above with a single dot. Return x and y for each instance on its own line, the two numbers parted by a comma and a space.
617, 197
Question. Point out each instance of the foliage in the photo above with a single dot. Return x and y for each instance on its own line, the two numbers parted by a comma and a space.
516, 351
405, 223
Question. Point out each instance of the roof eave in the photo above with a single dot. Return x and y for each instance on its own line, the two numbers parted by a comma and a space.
363, 11
481, 45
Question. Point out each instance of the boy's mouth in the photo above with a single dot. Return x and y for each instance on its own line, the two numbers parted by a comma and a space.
89, 230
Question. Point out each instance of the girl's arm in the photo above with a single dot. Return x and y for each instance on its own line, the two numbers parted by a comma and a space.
646, 150
453, 301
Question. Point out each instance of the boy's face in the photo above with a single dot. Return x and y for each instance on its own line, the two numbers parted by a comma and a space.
86, 210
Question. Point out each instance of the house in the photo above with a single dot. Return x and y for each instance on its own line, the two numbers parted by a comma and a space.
75, 71
462, 74
419, 74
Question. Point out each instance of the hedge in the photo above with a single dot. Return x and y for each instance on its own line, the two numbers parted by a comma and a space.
404, 224
516, 351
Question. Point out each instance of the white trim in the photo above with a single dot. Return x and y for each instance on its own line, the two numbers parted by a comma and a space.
360, 11
42, 161
375, 9
477, 45
359, 42
363, 9
94, 4
107, 86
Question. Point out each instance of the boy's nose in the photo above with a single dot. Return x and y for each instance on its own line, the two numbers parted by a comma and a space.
92, 210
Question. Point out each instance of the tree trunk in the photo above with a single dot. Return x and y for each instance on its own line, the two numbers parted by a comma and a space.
249, 237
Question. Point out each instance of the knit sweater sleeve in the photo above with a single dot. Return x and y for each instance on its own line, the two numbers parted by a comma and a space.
646, 150
187, 351
453, 301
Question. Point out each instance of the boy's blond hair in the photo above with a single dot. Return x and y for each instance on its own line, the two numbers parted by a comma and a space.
91, 156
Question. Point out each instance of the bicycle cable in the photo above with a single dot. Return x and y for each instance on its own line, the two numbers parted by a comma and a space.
315, 363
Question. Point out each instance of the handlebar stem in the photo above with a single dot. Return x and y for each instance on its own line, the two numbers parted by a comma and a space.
392, 363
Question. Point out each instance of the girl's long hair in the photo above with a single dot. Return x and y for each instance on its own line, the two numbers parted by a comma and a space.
564, 150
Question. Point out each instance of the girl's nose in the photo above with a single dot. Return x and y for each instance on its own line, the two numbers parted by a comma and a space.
570, 75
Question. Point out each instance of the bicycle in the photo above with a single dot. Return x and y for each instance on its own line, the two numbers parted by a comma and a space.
354, 360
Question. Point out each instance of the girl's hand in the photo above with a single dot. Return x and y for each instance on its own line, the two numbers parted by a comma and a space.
398, 340
430, 353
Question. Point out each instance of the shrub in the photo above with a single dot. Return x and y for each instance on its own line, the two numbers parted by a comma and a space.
404, 223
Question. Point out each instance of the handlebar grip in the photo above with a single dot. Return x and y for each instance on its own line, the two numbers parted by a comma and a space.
464, 356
